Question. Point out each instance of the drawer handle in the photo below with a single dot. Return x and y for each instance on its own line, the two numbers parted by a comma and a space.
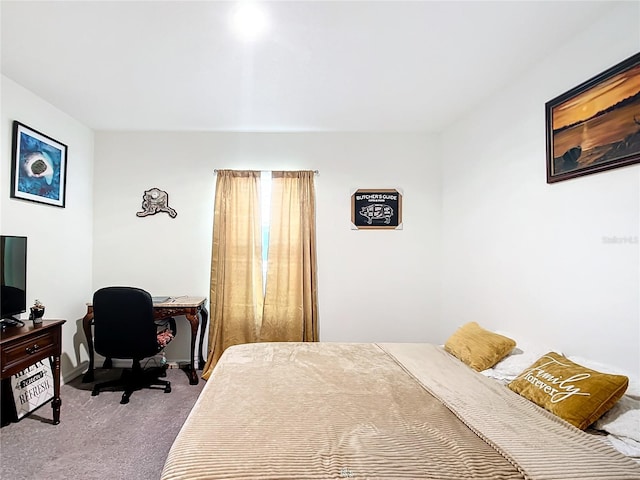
32, 350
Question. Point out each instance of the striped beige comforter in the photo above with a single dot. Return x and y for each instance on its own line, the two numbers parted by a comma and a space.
386, 411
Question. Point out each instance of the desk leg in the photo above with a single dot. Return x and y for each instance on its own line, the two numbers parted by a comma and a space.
56, 402
193, 320
204, 315
86, 326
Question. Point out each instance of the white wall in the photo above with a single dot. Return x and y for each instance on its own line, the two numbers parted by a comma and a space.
530, 258
373, 285
511, 251
59, 239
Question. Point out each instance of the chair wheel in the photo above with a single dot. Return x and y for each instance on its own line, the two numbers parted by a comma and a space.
95, 392
167, 389
125, 399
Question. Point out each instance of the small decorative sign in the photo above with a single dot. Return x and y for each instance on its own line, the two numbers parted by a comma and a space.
32, 387
376, 209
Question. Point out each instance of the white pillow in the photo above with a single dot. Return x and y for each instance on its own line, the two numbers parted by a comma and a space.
623, 420
523, 356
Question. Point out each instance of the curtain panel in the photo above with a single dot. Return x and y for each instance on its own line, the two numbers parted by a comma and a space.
236, 264
290, 303
288, 309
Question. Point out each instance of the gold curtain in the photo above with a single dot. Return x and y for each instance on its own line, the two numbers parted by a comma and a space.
291, 299
288, 310
236, 264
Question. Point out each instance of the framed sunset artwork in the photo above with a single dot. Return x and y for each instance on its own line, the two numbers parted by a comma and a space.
596, 125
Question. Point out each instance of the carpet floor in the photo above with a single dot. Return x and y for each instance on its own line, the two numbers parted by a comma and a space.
98, 438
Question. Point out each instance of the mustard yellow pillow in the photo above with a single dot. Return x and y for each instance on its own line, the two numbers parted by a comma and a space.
477, 347
570, 391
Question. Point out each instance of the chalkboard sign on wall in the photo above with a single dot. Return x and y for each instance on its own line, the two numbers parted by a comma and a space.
376, 209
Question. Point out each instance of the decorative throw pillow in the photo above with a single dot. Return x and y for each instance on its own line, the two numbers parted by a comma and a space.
477, 347
575, 393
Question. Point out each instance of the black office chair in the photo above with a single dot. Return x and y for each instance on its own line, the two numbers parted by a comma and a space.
125, 328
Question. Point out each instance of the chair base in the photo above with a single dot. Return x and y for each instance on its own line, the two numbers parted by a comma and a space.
135, 379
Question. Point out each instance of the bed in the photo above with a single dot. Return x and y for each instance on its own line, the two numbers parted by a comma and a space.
388, 411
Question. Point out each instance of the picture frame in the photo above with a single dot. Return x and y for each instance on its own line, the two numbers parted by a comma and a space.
376, 209
38, 167
595, 126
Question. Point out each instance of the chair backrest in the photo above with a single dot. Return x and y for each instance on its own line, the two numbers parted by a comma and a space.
123, 323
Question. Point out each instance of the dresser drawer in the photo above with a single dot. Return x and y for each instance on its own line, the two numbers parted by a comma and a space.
29, 350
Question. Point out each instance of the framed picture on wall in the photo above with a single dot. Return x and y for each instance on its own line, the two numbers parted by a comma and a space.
596, 125
39, 167
376, 209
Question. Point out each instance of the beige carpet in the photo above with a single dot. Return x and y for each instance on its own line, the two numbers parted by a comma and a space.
98, 438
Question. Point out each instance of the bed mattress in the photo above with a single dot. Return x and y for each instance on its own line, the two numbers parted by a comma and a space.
335, 410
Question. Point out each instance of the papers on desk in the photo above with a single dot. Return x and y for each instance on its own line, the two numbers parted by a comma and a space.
160, 299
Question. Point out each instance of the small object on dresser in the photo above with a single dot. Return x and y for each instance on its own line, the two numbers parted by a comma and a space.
37, 312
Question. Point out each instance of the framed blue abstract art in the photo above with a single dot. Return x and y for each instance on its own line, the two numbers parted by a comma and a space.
39, 167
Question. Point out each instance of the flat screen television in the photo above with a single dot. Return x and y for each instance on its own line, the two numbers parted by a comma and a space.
13, 278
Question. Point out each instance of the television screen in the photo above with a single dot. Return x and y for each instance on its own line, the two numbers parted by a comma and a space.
13, 275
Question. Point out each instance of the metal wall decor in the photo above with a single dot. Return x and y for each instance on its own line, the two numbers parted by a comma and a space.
376, 209
154, 201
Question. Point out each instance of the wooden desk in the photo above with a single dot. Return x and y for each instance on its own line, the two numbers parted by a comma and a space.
193, 308
21, 347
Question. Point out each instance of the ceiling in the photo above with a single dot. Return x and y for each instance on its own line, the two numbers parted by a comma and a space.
323, 66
